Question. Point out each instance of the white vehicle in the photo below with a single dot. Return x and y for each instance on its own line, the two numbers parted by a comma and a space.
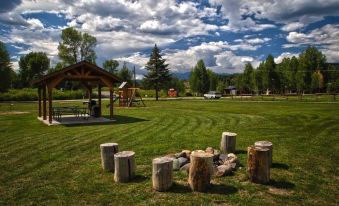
212, 95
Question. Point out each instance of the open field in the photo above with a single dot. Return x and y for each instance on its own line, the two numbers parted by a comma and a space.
58, 165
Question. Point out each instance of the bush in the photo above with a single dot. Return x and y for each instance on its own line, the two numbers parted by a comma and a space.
28, 94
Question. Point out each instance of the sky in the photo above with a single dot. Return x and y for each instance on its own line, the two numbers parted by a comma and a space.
226, 34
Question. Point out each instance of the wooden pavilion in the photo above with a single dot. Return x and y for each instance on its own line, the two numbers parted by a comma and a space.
89, 75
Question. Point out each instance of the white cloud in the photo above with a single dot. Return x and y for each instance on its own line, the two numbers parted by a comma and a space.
284, 55
35, 23
326, 38
292, 26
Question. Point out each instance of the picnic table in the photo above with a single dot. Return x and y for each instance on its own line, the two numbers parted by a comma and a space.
73, 110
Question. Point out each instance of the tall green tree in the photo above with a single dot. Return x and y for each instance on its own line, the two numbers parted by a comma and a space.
199, 78
76, 46
111, 65
213, 80
158, 73
5, 69
32, 66
248, 78
125, 74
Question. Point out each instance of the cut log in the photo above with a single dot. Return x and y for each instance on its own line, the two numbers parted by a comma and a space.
201, 170
107, 151
162, 176
268, 145
228, 140
258, 168
124, 166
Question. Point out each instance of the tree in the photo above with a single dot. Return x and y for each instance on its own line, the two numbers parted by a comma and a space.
213, 80
310, 60
125, 74
75, 46
32, 66
317, 81
158, 73
111, 65
248, 78
6, 72
199, 79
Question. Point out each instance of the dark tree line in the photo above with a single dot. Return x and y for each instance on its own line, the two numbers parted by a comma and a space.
307, 73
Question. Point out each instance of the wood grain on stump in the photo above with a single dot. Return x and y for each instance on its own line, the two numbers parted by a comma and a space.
228, 141
162, 175
107, 151
201, 170
268, 145
124, 166
258, 168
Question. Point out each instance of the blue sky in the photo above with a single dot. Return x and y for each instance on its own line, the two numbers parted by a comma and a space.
226, 34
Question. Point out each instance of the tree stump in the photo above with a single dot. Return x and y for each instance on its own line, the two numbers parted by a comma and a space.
258, 168
268, 145
162, 175
228, 140
124, 166
107, 151
201, 170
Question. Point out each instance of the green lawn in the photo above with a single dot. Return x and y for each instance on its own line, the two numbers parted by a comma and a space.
58, 165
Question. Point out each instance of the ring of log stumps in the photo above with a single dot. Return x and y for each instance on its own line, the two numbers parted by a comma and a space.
201, 170
107, 151
228, 142
258, 168
268, 145
124, 166
162, 175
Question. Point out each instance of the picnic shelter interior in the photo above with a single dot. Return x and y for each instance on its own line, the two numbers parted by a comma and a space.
90, 76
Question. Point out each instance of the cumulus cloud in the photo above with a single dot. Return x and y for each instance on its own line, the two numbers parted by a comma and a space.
326, 38
292, 26
283, 55
35, 23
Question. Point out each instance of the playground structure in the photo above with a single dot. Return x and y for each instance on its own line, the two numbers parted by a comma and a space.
129, 96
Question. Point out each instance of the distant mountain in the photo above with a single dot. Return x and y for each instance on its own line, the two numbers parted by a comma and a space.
182, 76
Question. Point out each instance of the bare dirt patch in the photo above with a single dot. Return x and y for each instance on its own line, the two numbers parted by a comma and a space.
13, 113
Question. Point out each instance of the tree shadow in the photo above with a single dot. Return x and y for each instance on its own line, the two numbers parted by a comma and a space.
240, 152
280, 166
281, 184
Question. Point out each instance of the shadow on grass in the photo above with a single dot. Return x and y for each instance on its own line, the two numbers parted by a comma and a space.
222, 189
139, 178
213, 189
240, 152
125, 119
118, 120
280, 166
281, 184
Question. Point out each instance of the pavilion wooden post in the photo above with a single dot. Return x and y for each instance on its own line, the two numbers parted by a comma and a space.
111, 103
99, 99
39, 101
90, 93
50, 110
44, 109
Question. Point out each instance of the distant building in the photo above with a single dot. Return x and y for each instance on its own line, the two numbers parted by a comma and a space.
230, 90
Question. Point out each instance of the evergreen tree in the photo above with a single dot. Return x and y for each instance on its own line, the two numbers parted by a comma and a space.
158, 73
247, 78
125, 74
6, 72
213, 80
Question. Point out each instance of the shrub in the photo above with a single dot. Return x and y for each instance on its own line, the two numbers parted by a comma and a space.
28, 94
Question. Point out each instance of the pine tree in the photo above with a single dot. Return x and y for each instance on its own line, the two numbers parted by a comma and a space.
158, 73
